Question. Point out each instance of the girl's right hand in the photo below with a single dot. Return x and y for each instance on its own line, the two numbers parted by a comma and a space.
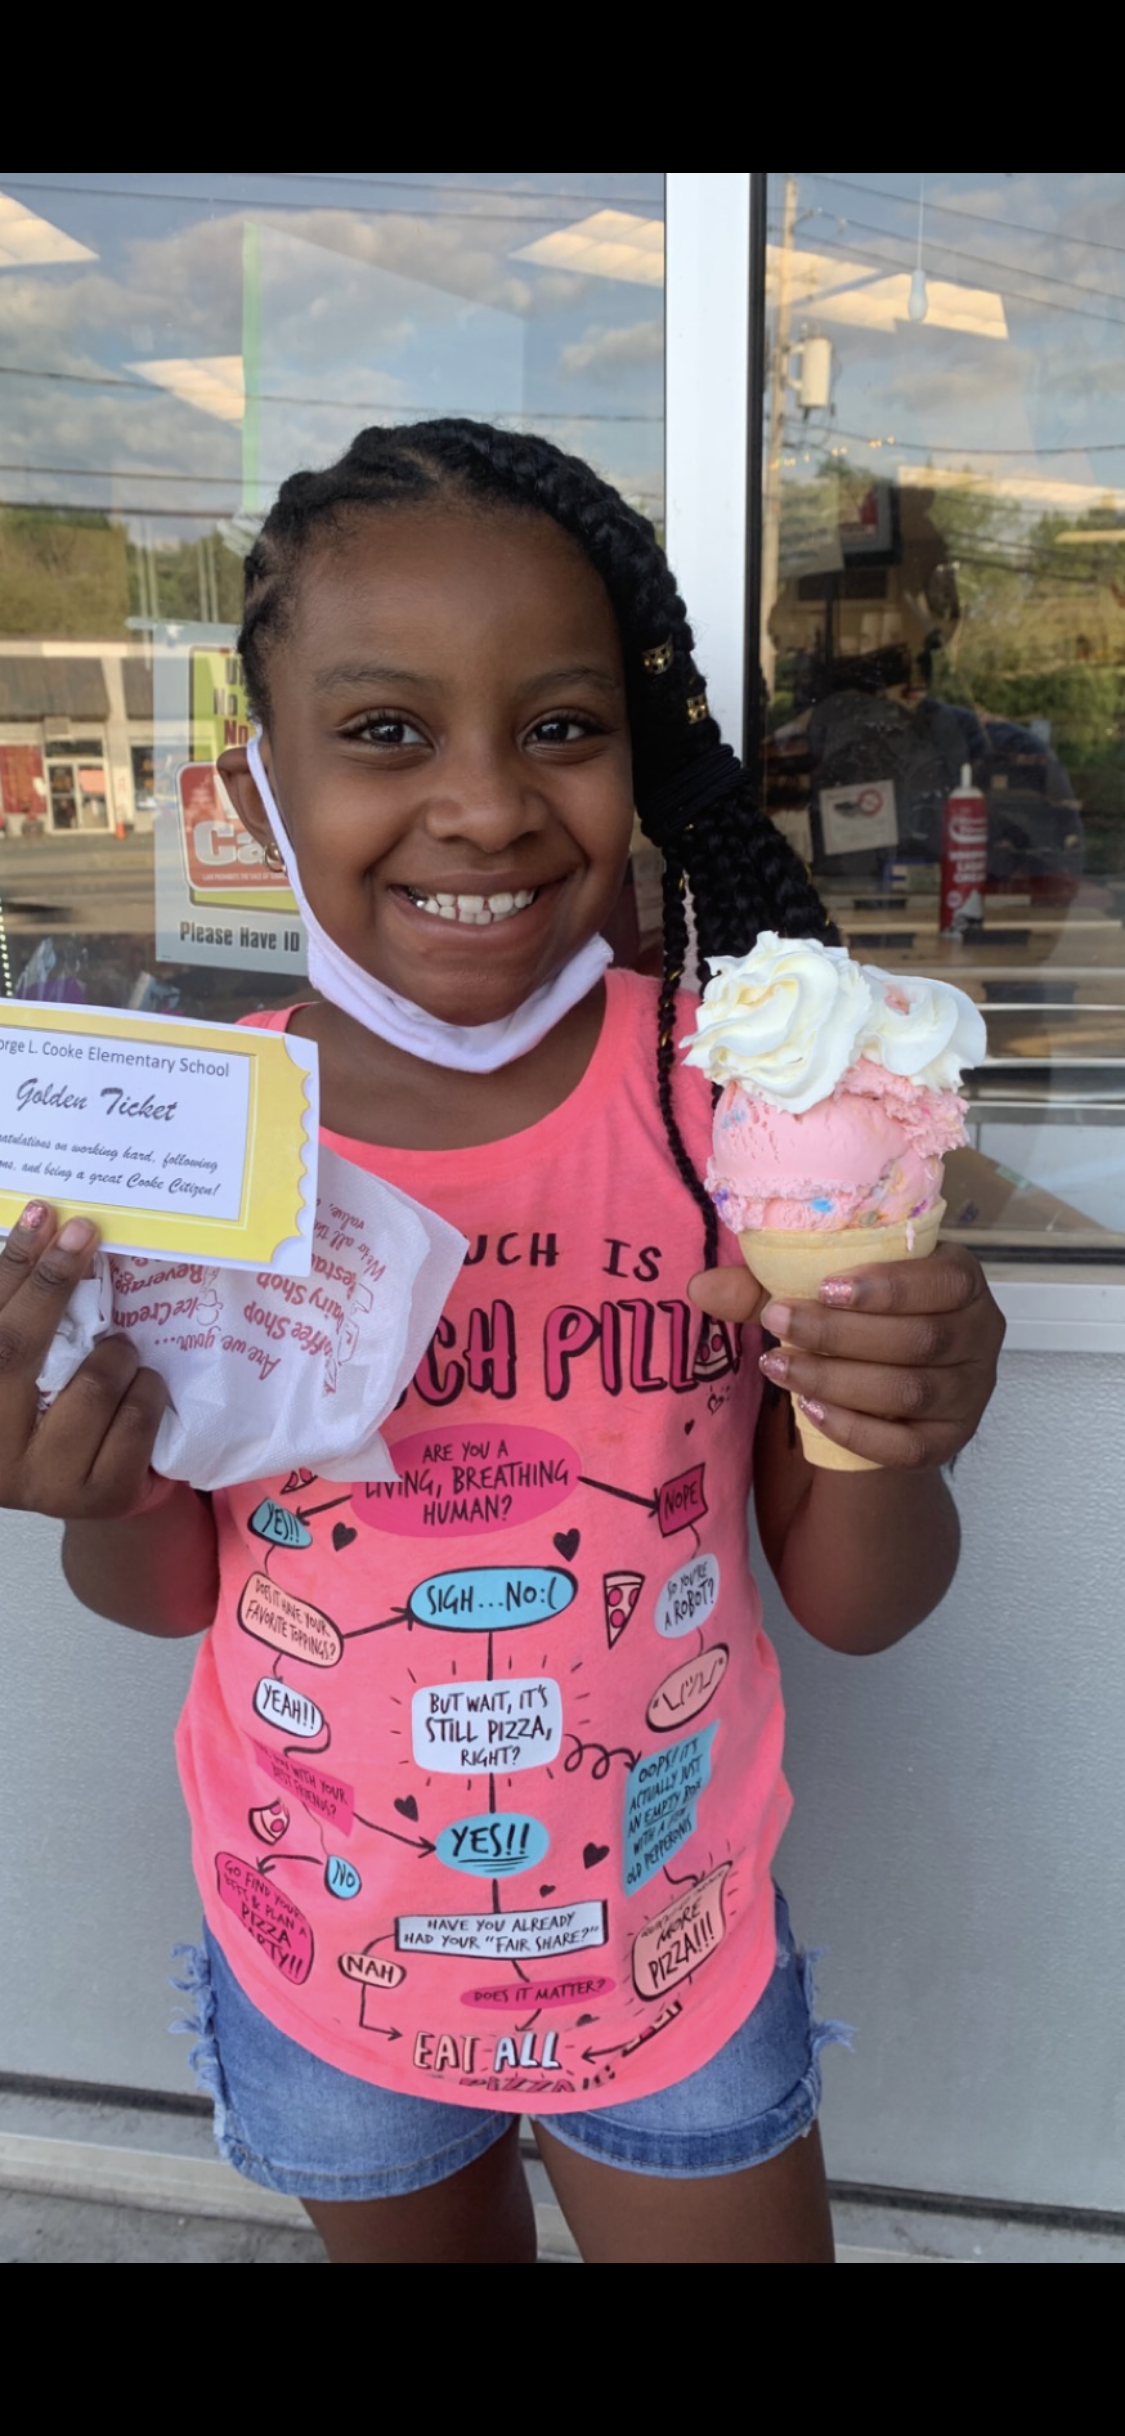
86, 1459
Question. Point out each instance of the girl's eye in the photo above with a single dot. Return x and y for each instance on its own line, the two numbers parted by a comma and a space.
563, 727
387, 728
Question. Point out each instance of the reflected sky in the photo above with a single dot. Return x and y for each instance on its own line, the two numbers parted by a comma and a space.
1017, 369
216, 332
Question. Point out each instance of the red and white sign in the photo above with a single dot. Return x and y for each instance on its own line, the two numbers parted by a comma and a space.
853, 819
219, 854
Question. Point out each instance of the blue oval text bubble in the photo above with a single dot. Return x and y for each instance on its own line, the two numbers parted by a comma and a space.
494, 1845
341, 1878
492, 1598
276, 1523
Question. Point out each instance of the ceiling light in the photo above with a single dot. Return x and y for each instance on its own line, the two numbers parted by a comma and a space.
607, 245
26, 239
214, 383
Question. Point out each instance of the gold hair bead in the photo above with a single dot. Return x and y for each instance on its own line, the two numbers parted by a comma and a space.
697, 708
658, 661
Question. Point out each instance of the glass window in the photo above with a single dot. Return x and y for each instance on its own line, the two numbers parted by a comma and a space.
172, 347
943, 638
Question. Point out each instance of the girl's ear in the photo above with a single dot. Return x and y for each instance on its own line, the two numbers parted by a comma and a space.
238, 778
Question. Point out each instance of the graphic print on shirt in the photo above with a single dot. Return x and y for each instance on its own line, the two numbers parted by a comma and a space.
497, 1724
467, 1726
622, 1590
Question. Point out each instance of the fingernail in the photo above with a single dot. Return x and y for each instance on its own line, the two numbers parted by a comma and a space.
33, 1217
777, 1317
775, 1365
810, 1406
76, 1234
837, 1290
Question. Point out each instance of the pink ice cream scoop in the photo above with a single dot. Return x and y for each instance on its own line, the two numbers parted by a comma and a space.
838, 1104
868, 1155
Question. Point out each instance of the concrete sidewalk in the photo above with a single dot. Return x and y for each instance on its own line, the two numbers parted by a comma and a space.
100, 2183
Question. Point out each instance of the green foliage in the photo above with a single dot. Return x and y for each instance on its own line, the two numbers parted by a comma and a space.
69, 573
62, 573
196, 580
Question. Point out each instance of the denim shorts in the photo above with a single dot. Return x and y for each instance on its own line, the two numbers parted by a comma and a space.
297, 2125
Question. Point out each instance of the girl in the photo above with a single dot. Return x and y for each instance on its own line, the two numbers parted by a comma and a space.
517, 1858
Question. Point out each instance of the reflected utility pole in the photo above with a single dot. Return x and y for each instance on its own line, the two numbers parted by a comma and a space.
779, 375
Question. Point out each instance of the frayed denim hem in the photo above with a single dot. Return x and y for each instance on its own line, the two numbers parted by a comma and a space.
471, 2130
199, 2024
608, 2135
204, 2062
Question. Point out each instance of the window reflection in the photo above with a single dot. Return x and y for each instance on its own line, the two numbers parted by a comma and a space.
170, 349
943, 610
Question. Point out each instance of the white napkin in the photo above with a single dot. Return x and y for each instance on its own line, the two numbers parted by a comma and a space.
269, 1374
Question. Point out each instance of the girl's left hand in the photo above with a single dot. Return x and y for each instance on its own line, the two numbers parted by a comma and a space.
896, 1361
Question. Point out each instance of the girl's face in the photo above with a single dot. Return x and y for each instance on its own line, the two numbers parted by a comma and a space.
449, 748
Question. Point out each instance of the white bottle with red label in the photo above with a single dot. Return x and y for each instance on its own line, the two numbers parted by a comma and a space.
964, 858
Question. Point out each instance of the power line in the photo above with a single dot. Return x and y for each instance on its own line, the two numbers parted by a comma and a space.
966, 448
184, 515
132, 473
987, 262
371, 211
116, 507
280, 397
1039, 304
983, 219
540, 194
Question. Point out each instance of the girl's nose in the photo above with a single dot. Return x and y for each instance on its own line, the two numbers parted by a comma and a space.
487, 797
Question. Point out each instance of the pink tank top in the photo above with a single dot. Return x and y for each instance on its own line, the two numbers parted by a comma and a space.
484, 1765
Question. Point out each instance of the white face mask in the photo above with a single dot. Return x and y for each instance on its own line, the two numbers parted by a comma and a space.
470, 1048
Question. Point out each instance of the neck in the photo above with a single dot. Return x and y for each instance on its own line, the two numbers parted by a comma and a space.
373, 1092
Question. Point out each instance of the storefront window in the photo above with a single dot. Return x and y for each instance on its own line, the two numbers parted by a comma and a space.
943, 638
171, 348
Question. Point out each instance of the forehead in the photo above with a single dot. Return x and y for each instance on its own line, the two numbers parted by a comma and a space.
448, 580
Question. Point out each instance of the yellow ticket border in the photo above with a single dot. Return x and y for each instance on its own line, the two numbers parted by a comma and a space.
279, 1159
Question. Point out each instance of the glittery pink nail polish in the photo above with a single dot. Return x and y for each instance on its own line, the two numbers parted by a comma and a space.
837, 1290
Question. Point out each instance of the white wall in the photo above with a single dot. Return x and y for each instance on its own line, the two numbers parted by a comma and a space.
956, 1841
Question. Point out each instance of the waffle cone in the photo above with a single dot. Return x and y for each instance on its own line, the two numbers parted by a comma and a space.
793, 1266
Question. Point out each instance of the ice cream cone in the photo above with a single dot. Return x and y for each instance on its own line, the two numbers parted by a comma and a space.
793, 1265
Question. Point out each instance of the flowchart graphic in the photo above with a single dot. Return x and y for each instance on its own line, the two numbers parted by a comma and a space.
490, 1721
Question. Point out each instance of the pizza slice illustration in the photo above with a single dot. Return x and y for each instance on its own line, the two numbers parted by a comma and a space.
713, 1355
622, 1590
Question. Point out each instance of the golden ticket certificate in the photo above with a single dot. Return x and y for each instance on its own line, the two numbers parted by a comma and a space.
196, 1139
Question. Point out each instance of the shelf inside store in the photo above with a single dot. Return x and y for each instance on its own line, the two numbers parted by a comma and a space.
1091, 1039
1051, 947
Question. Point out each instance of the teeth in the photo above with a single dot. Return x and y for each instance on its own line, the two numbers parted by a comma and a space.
475, 911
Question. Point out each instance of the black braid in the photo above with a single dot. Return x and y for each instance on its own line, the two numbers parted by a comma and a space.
675, 953
741, 875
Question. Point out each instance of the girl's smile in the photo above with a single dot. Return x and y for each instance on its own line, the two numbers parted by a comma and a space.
449, 746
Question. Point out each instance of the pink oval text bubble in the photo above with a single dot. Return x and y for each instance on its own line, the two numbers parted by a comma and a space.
273, 1615
372, 1970
537, 1992
267, 1914
466, 1481
672, 1946
687, 1689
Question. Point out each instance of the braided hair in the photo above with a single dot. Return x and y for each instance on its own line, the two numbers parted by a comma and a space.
694, 800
